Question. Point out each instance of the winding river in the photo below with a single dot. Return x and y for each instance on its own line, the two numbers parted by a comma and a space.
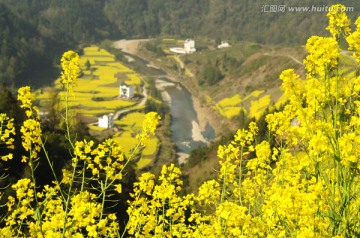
186, 133
184, 125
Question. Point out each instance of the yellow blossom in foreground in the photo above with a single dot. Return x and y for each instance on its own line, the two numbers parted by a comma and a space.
148, 127
303, 182
353, 40
26, 98
70, 69
324, 53
7, 130
338, 21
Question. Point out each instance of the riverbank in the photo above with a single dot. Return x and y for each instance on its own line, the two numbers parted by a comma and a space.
204, 115
191, 126
188, 131
199, 125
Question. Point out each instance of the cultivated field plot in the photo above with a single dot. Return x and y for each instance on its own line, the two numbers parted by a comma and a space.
231, 106
255, 103
131, 124
97, 90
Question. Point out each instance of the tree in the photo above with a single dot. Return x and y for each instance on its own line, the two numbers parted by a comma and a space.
211, 74
87, 65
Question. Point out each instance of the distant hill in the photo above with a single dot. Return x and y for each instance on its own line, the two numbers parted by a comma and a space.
18, 44
40, 30
266, 22
34, 34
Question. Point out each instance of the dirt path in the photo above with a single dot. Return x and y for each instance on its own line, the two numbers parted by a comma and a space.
142, 103
129, 46
182, 66
294, 59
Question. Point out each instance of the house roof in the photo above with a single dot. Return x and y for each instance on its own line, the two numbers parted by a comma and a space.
125, 84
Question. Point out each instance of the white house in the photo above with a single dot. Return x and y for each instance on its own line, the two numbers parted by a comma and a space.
126, 91
223, 44
106, 121
189, 46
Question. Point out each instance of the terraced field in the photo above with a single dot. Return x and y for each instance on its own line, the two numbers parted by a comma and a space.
97, 90
131, 125
96, 94
254, 104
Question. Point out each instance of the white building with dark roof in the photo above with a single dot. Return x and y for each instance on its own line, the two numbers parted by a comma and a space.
106, 121
126, 91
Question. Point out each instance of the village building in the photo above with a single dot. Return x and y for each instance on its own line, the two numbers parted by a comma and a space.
189, 47
126, 91
223, 44
106, 121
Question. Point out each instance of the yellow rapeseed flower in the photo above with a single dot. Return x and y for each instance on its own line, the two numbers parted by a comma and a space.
70, 69
354, 41
338, 21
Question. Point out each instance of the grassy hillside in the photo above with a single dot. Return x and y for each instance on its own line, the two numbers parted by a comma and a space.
241, 79
249, 86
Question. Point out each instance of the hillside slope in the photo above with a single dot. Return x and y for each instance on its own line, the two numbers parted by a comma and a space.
58, 25
224, 19
228, 84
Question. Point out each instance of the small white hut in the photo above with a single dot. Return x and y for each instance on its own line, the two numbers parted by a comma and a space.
106, 121
224, 44
189, 46
126, 91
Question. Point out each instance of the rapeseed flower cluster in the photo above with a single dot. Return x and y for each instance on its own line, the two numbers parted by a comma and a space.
70, 69
353, 41
26, 98
148, 127
338, 21
7, 130
67, 207
303, 183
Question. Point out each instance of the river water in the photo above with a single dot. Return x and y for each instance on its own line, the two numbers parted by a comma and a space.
185, 129
184, 125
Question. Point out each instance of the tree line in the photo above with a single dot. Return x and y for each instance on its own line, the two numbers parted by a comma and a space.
35, 33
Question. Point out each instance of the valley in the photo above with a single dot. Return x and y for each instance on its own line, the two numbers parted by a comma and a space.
176, 118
